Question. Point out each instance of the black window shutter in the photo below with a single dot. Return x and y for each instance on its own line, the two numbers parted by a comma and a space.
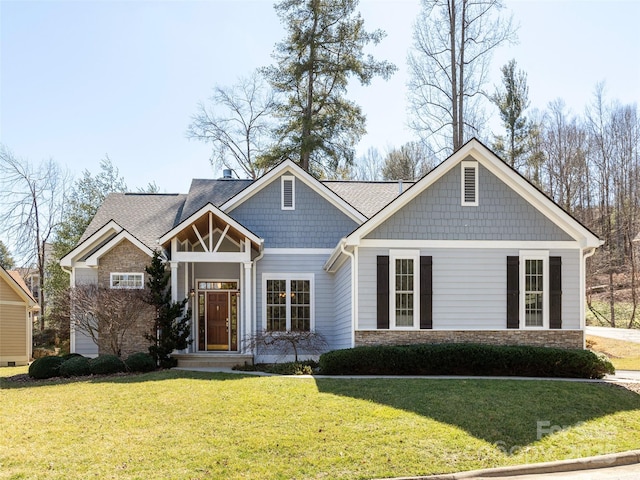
383, 292
426, 292
513, 292
555, 292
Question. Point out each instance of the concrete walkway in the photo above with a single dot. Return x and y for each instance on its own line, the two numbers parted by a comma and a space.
629, 335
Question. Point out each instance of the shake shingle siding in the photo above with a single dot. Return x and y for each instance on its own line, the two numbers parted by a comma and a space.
315, 223
437, 214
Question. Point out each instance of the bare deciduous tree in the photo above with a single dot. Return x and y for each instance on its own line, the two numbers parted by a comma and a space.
237, 123
107, 315
32, 201
409, 162
453, 43
368, 166
290, 342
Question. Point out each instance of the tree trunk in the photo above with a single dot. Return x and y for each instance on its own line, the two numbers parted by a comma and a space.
455, 115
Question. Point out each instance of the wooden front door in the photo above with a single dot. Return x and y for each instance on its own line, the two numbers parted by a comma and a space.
217, 321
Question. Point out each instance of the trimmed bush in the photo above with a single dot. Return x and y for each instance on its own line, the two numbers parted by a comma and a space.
140, 362
106, 364
168, 362
465, 359
75, 366
45, 367
70, 355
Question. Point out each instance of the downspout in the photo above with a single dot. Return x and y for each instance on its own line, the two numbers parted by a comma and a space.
353, 291
586, 254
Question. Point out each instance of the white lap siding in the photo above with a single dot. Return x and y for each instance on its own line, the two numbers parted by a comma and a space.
325, 299
469, 287
343, 310
83, 344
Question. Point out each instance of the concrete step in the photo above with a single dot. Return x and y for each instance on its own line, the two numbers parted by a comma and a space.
212, 360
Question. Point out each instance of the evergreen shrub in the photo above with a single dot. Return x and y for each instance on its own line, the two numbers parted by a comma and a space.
106, 364
45, 367
465, 359
140, 362
75, 366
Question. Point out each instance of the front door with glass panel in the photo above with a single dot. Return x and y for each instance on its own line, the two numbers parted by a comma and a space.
217, 316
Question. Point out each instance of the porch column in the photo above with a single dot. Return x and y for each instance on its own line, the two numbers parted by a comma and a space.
247, 295
174, 281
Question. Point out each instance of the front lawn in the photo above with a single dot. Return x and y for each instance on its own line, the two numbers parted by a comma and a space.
188, 425
623, 355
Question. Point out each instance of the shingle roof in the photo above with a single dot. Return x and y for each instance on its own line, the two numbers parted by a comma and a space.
367, 197
15, 275
148, 216
217, 192
145, 215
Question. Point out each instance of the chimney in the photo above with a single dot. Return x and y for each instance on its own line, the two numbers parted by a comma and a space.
227, 173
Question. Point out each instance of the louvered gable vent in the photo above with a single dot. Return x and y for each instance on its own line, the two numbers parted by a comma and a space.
288, 193
469, 184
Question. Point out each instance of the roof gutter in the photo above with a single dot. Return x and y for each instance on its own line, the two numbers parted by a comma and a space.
335, 255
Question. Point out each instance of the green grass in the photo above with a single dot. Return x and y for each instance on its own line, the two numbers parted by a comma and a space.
188, 425
624, 355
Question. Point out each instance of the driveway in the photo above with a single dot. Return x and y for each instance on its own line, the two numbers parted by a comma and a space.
629, 335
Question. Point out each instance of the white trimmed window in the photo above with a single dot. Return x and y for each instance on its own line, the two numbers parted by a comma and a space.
469, 184
404, 293
288, 302
288, 192
127, 280
534, 277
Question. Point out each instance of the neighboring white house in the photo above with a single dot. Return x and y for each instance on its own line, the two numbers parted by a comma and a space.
470, 252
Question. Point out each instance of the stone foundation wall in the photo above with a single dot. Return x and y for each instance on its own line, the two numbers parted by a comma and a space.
537, 338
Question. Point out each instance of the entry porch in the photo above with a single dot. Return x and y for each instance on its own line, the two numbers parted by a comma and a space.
212, 260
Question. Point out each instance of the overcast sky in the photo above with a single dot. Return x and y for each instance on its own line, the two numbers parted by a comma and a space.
81, 79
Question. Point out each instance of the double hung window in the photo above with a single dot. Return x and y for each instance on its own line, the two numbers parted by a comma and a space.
404, 280
288, 304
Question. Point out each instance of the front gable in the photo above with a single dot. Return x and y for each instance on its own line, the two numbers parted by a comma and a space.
507, 207
498, 212
290, 209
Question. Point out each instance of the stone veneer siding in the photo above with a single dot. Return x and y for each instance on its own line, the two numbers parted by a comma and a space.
538, 338
127, 258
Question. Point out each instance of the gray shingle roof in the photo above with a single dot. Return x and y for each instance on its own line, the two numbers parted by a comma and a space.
217, 192
145, 215
148, 216
367, 197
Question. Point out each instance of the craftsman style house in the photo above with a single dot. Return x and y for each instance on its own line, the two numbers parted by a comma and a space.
472, 252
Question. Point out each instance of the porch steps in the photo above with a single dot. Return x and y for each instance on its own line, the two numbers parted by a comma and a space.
211, 360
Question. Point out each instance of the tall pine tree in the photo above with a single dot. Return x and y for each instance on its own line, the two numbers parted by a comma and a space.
323, 48
512, 101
